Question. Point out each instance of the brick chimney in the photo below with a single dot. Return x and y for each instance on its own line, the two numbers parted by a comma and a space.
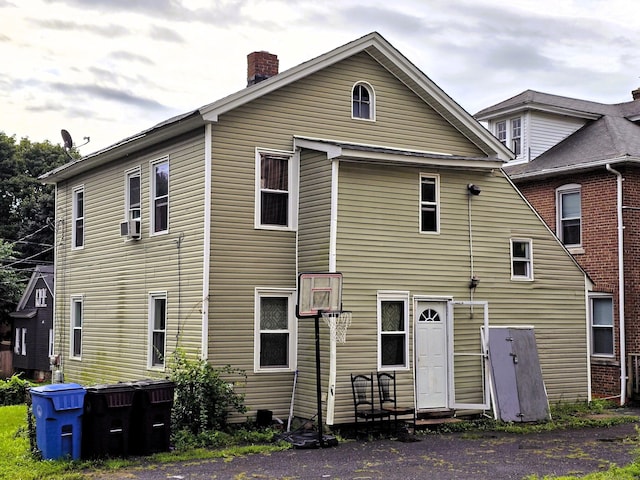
260, 66
636, 94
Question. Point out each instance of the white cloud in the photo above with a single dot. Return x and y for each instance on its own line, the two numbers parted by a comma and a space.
110, 68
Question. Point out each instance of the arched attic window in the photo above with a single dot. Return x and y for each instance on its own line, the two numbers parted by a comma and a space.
363, 102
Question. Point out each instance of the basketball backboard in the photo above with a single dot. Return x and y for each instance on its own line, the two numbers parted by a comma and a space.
318, 292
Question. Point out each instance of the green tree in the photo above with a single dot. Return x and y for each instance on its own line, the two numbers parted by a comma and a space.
27, 205
11, 283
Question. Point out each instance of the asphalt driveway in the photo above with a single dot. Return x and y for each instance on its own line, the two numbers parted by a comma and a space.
453, 456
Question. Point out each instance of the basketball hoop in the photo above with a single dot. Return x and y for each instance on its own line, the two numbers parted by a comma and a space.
338, 323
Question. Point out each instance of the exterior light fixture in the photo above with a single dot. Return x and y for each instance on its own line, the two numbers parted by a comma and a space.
473, 189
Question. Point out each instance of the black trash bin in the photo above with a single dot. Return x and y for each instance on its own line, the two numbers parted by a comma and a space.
107, 420
151, 416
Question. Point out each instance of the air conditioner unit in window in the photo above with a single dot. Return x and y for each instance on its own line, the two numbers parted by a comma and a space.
130, 228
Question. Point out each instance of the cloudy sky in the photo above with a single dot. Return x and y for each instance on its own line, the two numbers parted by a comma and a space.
107, 69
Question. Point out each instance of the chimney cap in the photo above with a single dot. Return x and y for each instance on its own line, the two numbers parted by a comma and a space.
636, 93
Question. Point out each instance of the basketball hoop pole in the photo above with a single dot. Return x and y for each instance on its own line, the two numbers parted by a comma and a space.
317, 292
318, 382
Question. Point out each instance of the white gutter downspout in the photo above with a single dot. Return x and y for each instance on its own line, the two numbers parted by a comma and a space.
206, 248
623, 354
333, 239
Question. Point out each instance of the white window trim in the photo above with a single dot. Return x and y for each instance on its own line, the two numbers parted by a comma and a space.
513, 137
76, 299
393, 296
290, 293
564, 189
41, 298
20, 346
372, 101
593, 296
152, 196
437, 179
522, 278
150, 318
51, 342
74, 217
17, 341
293, 172
133, 172
508, 129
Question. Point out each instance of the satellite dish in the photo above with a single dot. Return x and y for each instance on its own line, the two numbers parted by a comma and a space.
68, 141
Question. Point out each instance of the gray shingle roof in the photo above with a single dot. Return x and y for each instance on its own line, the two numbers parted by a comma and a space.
531, 98
610, 138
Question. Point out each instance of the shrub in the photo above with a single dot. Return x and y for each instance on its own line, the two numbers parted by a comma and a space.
13, 391
204, 399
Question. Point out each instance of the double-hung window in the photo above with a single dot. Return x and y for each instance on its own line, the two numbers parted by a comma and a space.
77, 314
393, 330
160, 196
601, 325
429, 208
41, 297
569, 215
77, 234
516, 135
275, 190
133, 195
501, 132
362, 102
157, 329
521, 259
275, 330
20, 344
511, 137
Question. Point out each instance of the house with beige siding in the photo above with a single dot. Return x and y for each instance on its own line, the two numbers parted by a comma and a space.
192, 235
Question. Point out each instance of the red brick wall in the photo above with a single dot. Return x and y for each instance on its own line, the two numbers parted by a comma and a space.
600, 257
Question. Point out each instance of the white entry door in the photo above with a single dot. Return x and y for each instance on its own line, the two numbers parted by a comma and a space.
431, 354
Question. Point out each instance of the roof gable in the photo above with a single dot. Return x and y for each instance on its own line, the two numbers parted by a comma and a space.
42, 274
392, 60
373, 44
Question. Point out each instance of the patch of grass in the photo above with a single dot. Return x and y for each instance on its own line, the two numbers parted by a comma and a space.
564, 416
17, 463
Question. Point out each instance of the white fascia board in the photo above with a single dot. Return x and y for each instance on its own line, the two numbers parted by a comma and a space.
125, 147
391, 158
422, 85
212, 111
573, 168
539, 107
335, 149
391, 59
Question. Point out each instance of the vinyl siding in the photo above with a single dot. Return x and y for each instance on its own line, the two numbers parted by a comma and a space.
547, 130
379, 248
115, 277
244, 258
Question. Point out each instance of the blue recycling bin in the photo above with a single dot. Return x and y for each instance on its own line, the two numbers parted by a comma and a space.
58, 411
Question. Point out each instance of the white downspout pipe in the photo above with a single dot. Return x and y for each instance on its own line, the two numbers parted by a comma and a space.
623, 353
333, 240
206, 251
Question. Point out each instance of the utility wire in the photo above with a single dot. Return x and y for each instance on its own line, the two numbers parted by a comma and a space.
25, 259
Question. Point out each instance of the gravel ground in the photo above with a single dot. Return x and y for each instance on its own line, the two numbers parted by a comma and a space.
454, 456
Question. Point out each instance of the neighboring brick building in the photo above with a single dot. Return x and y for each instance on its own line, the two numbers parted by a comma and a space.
573, 159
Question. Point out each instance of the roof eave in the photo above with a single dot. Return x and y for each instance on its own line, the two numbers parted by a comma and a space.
540, 107
581, 167
398, 65
123, 148
393, 156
